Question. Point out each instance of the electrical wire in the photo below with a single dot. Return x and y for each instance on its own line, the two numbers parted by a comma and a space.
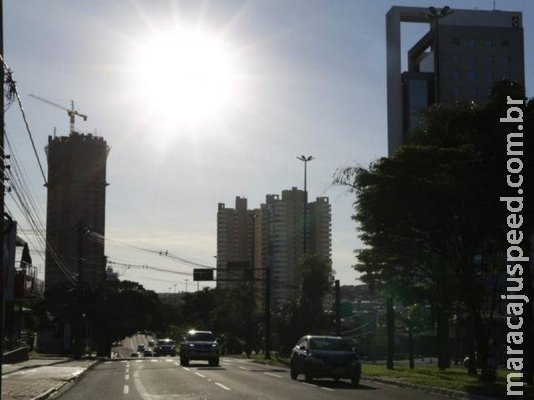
13, 87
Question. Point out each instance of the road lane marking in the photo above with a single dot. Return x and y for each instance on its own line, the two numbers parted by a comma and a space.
187, 369
243, 368
271, 374
222, 386
199, 374
126, 389
127, 377
325, 388
308, 384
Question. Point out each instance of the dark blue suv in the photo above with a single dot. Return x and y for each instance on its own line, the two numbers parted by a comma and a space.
326, 357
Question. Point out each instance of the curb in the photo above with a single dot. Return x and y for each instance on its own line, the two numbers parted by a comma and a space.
34, 366
455, 394
73, 378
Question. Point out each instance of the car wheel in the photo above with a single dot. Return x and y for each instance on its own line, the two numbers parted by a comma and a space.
184, 361
293, 372
308, 377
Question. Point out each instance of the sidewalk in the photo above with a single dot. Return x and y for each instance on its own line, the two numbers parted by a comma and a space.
38, 378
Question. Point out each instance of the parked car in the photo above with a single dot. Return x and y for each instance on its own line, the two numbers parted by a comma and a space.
326, 357
199, 345
141, 348
165, 347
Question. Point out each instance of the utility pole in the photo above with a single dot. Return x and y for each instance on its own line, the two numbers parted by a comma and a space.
2, 170
337, 306
305, 229
268, 312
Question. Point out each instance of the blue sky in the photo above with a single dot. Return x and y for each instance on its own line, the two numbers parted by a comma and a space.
308, 78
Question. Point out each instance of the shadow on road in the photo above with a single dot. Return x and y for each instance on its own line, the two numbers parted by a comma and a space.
340, 385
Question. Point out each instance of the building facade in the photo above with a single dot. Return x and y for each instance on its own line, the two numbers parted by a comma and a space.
459, 59
76, 207
277, 235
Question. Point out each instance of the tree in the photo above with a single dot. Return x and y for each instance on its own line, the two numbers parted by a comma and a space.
304, 313
431, 217
414, 320
119, 309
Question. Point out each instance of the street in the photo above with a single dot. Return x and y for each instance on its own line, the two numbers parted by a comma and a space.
164, 378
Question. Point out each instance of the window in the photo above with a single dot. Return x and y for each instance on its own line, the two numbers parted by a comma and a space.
455, 41
456, 74
488, 60
488, 43
473, 91
505, 60
456, 59
472, 59
471, 74
471, 43
488, 75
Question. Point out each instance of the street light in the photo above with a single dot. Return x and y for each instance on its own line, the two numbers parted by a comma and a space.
305, 160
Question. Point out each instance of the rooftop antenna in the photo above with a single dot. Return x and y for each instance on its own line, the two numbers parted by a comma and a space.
71, 113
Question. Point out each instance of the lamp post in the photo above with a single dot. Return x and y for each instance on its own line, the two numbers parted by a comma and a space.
305, 160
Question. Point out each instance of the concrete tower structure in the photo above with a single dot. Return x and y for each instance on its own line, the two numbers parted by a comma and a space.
76, 205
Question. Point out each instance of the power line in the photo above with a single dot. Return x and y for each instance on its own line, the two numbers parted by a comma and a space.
163, 253
13, 88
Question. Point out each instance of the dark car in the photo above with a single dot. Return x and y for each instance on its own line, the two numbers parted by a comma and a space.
165, 347
326, 357
199, 345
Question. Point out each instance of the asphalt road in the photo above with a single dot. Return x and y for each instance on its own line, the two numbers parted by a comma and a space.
235, 379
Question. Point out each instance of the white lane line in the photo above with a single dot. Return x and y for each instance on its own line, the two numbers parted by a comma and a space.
107, 362
126, 389
325, 388
187, 369
154, 360
127, 377
271, 374
243, 368
222, 386
138, 361
308, 384
199, 374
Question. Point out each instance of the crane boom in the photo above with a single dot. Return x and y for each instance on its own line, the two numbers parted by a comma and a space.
71, 113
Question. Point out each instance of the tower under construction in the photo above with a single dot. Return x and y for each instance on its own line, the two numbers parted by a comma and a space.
76, 210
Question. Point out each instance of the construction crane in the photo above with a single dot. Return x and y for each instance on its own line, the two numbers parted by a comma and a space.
71, 113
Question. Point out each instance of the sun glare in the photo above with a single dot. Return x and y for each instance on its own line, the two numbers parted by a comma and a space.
186, 77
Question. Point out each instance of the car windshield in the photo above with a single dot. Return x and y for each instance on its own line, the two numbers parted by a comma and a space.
201, 337
331, 344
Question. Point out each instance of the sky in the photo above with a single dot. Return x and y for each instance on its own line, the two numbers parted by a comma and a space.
203, 101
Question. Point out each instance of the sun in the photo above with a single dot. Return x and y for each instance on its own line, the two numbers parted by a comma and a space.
186, 76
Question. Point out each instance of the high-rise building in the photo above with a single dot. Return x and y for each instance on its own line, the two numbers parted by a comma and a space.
460, 58
275, 237
234, 242
76, 206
